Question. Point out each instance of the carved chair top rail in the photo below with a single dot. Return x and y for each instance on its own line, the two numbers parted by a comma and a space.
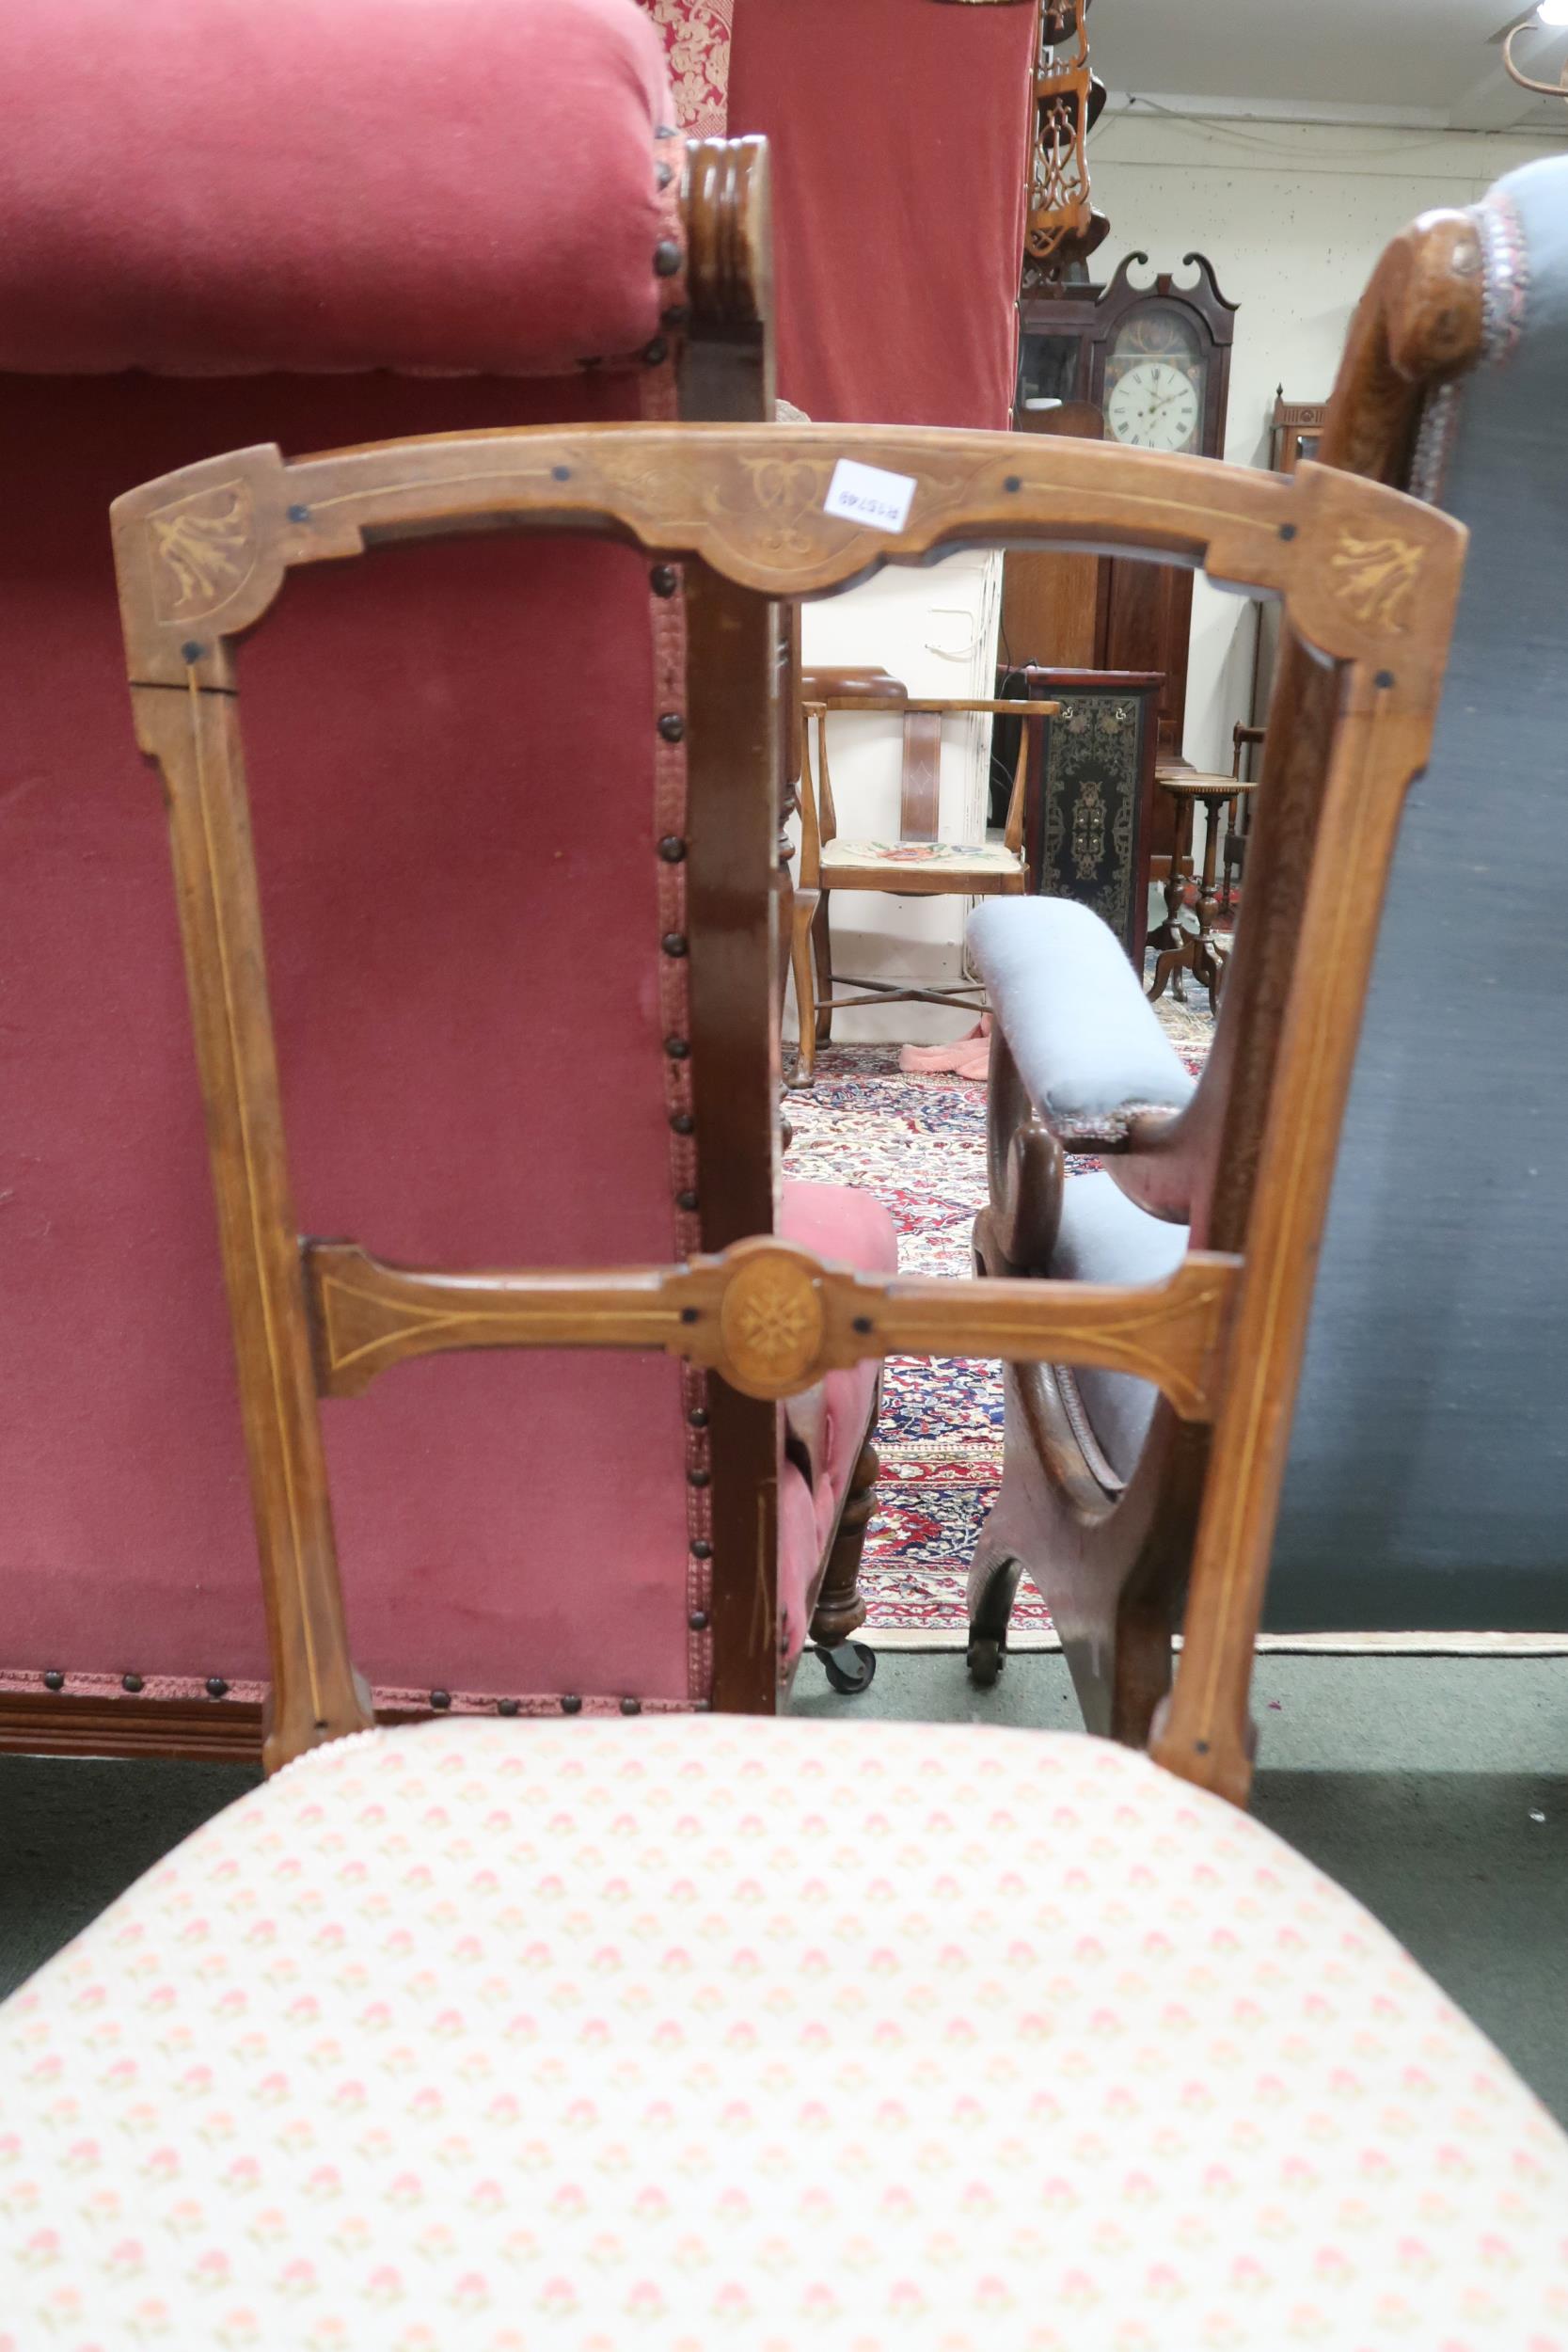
202, 553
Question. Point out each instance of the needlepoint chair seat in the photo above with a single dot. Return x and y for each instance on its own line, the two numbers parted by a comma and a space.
981, 861
572, 2032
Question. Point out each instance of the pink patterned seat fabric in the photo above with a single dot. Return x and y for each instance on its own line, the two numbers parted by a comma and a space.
701, 2032
844, 1226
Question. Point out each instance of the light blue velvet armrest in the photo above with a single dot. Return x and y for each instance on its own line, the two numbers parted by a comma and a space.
1088, 1048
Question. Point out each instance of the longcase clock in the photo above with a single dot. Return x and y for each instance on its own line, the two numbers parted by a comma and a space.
1153, 361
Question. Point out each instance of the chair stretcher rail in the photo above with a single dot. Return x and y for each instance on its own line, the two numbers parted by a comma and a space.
770, 1318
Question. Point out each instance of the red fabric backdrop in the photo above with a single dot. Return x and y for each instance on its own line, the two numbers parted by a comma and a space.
899, 133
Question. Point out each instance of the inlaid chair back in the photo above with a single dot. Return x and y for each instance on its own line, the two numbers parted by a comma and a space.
203, 554
457, 1030
1428, 1475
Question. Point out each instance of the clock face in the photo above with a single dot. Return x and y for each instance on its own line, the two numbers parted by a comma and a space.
1154, 403
1156, 374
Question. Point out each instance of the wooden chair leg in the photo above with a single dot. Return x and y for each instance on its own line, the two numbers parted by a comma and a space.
800, 964
994, 1574
822, 947
840, 1610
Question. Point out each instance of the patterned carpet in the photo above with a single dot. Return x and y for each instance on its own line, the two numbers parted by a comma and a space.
919, 1143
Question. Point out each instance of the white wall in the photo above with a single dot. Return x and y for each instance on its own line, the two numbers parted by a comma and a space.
1293, 219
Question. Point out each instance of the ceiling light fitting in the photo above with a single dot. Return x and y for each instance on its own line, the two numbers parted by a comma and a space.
1549, 16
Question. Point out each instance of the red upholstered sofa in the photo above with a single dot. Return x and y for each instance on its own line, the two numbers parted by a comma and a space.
222, 225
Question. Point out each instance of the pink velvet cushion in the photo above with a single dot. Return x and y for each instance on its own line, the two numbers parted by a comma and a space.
212, 186
847, 1227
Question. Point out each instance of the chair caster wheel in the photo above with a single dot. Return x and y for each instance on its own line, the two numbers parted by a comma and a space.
987, 1655
849, 1666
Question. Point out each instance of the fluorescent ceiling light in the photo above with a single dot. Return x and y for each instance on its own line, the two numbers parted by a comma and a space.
1552, 12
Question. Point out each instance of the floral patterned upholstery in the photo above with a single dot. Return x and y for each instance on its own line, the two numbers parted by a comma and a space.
988, 857
701, 2032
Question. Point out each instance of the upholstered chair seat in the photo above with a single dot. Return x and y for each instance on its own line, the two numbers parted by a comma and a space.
848, 1227
707, 2031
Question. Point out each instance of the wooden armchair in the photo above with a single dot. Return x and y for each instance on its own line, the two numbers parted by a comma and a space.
918, 865
539, 2016
1427, 1480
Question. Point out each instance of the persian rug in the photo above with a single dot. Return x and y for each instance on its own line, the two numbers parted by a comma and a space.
918, 1143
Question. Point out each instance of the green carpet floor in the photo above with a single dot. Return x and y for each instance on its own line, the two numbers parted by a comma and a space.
1435, 1789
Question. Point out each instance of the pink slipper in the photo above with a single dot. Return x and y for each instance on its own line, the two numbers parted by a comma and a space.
968, 1058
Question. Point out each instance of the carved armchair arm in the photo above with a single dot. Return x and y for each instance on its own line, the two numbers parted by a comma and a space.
1089, 1053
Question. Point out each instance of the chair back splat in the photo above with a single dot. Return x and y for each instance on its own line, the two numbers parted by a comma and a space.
1369, 580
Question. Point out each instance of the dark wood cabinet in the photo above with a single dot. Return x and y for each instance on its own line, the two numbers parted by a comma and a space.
1089, 792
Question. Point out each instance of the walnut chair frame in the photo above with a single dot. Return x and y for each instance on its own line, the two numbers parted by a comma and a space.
816, 985
1112, 1556
202, 554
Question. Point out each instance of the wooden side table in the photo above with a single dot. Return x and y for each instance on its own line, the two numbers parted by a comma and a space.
1182, 950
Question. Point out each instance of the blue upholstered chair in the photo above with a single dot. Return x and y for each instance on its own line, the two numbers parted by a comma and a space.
1428, 1478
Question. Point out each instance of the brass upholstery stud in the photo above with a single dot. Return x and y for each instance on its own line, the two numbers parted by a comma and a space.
667, 257
631, 1706
54, 1679
702, 1548
672, 849
656, 352
506, 1707
699, 1478
697, 1417
683, 1122
131, 1682
673, 943
687, 1202
677, 1048
698, 1621
672, 727
217, 1687
663, 579
571, 1706
441, 1698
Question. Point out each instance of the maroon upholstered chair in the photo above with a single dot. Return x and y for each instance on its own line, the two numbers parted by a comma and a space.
327, 226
